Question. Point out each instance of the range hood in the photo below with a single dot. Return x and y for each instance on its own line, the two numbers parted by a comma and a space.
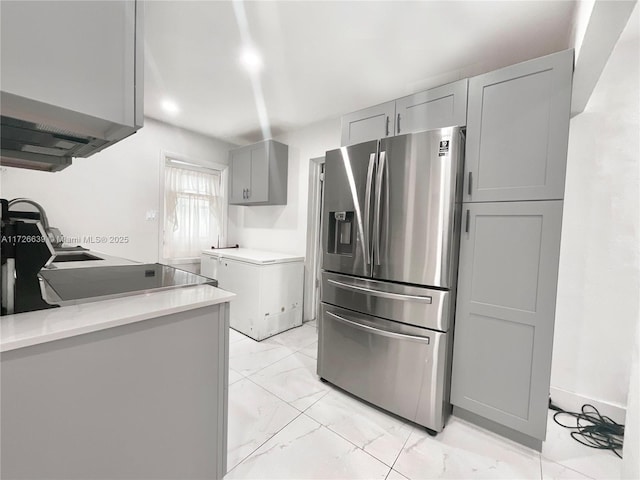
45, 137
42, 147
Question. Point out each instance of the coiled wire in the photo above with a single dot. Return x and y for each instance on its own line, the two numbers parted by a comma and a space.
593, 429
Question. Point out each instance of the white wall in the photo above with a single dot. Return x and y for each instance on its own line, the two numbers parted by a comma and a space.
110, 192
284, 228
599, 280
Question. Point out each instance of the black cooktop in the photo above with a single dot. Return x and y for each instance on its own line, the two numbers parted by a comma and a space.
73, 285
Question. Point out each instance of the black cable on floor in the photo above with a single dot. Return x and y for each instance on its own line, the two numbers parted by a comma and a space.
593, 429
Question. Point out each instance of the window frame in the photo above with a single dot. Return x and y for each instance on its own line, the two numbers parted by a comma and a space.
189, 163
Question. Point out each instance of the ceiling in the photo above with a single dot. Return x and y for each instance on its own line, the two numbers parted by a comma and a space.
323, 58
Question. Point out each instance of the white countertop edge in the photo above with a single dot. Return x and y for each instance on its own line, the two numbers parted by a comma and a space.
42, 326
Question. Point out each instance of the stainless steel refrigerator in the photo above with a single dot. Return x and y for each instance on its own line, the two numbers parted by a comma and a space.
390, 234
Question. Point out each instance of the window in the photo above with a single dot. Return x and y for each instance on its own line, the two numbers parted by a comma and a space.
193, 210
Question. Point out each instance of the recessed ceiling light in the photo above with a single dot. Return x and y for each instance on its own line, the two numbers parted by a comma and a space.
251, 59
170, 106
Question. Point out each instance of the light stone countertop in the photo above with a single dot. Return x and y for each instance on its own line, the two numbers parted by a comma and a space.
41, 326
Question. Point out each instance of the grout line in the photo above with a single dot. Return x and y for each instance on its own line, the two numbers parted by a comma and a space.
259, 446
564, 466
540, 461
286, 403
402, 450
344, 438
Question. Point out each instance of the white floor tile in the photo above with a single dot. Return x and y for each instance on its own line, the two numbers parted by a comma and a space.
255, 415
248, 356
311, 350
294, 380
304, 449
393, 475
295, 338
235, 336
464, 451
234, 376
555, 471
561, 448
376, 432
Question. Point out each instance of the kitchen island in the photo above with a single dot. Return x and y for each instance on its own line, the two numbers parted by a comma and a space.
134, 387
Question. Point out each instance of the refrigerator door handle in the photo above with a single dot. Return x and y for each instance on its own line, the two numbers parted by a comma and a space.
367, 209
376, 221
378, 293
378, 331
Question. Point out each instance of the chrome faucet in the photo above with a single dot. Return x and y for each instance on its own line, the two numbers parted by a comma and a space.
55, 237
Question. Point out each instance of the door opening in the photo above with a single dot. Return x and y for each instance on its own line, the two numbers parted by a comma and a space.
314, 229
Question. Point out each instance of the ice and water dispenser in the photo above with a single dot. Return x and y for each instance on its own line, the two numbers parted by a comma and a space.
341, 235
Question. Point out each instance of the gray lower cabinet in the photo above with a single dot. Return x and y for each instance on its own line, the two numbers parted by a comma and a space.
259, 174
518, 130
145, 400
438, 107
369, 124
505, 313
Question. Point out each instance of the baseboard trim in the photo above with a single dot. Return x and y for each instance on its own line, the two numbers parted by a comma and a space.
498, 429
573, 402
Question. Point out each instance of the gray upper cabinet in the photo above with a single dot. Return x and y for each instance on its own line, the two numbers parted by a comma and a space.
369, 124
443, 106
517, 131
83, 56
509, 254
259, 174
71, 81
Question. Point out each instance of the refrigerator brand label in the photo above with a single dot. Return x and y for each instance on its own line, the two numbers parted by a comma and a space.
444, 148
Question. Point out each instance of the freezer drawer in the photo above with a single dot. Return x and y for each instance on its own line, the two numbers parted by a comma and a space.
396, 367
422, 307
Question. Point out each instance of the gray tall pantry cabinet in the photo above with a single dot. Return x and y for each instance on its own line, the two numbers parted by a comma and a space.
517, 135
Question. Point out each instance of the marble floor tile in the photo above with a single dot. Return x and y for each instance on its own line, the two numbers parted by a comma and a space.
295, 338
311, 350
561, 448
555, 471
312, 323
376, 432
255, 415
304, 449
234, 376
235, 336
294, 380
463, 451
393, 475
248, 356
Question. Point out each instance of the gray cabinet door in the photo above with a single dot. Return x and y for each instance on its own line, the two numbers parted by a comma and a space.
78, 55
259, 189
506, 299
369, 124
240, 160
517, 131
438, 107
259, 174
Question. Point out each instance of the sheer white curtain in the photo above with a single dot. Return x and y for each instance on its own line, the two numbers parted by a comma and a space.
193, 212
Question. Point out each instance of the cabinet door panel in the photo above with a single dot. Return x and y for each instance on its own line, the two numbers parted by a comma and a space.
259, 189
505, 312
435, 108
369, 124
517, 131
240, 174
84, 50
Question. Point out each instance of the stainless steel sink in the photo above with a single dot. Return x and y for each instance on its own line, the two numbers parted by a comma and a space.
74, 257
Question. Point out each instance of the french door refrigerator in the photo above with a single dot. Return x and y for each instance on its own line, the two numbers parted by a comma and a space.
390, 235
